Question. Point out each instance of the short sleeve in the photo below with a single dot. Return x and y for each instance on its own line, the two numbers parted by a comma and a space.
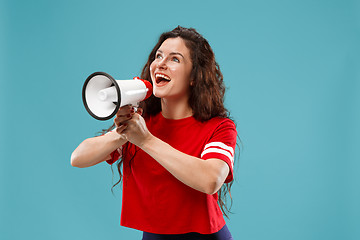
221, 145
115, 155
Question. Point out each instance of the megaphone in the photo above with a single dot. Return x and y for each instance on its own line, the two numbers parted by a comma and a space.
103, 95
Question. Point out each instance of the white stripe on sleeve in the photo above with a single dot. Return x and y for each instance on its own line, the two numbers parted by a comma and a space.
218, 147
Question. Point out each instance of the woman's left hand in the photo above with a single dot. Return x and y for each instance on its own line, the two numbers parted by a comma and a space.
136, 130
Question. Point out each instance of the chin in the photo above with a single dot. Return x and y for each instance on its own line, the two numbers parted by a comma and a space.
158, 94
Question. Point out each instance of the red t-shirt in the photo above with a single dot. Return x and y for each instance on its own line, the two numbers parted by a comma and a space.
153, 199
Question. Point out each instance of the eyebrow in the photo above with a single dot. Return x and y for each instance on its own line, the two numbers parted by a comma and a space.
172, 53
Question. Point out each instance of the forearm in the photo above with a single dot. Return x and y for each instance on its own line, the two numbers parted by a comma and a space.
203, 175
95, 150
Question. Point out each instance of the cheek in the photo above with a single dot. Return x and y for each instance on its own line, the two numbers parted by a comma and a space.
151, 69
184, 75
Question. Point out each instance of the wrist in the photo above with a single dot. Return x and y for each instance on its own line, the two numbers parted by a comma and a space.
147, 142
118, 139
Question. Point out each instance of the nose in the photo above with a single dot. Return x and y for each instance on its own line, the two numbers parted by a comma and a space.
162, 64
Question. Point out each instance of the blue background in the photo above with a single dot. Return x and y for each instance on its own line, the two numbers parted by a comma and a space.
292, 69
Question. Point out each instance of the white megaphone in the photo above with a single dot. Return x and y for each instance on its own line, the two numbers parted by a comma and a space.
103, 95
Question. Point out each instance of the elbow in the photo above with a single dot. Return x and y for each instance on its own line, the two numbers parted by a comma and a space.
74, 160
216, 178
213, 186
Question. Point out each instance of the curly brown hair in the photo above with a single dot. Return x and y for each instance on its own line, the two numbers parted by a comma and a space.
206, 91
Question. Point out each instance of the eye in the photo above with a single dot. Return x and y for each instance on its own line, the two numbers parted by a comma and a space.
175, 59
158, 56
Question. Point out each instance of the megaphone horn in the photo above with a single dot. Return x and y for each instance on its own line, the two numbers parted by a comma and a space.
103, 95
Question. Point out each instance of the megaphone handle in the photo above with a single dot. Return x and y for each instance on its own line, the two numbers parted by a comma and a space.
134, 106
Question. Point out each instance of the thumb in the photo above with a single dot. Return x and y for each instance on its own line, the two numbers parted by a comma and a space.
140, 111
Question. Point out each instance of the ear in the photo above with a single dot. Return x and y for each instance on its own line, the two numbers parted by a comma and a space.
192, 81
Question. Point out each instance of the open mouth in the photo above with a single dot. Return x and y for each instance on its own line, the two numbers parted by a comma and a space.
162, 78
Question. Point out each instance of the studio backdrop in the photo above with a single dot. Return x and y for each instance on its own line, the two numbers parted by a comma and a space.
292, 72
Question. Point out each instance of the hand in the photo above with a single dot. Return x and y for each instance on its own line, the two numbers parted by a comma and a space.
124, 114
135, 130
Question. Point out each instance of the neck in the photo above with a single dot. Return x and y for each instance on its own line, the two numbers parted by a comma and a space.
175, 109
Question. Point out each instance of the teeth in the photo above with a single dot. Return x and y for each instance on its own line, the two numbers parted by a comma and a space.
162, 76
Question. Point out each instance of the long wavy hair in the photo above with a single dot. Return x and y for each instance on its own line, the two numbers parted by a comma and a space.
206, 90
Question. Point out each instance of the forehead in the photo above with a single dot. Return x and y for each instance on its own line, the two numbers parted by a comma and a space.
175, 45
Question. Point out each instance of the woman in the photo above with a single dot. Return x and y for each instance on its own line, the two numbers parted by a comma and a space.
177, 150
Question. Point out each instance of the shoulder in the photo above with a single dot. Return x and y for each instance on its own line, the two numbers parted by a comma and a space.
223, 130
220, 129
220, 122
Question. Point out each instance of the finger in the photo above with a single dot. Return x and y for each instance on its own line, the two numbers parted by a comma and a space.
123, 111
121, 129
133, 118
140, 111
135, 110
122, 117
120, 120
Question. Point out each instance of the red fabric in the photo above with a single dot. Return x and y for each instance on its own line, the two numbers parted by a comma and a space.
114, 157
155, 201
